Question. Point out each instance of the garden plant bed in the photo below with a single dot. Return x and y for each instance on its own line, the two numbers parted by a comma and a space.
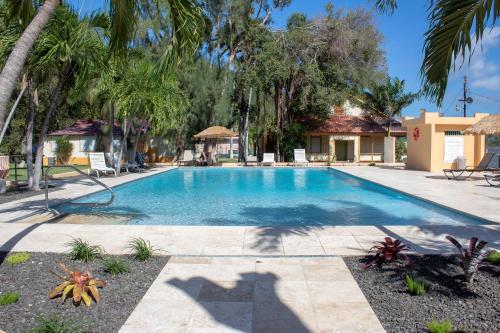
33, 280
446, 297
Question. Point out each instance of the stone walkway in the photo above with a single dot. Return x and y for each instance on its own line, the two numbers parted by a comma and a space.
246, 294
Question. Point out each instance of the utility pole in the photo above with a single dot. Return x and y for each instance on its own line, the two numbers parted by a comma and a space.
467, 99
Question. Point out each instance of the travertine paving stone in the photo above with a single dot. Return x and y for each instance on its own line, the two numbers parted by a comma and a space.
258, 295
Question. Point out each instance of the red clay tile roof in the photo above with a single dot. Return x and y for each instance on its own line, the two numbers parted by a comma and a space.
343, 124
86, 128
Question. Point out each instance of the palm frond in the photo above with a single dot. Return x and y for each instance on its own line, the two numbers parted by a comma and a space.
452, 27
123, 14
21, 10
386, 6
187, 30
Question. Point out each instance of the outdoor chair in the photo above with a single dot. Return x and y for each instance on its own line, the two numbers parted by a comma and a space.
268, 159
98, 164
187, 158
139, 160
492, 179
300, 157
462, 174
130, 166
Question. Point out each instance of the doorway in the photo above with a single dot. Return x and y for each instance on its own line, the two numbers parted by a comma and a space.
341, 150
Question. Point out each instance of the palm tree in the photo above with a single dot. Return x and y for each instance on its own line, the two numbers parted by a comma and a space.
67, 53
455, 27
186, 31
386, 101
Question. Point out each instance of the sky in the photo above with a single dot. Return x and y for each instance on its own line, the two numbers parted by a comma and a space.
403, 45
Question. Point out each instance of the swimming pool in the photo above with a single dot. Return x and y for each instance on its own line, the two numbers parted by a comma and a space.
266, 197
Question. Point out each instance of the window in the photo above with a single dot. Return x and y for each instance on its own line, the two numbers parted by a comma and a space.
87, 143
453, 133
315, 144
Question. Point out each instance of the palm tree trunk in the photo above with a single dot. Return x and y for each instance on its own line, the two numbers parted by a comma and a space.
30, 120
264, 134
136, 142
123, 145
111, 133
14, 64
277, 106
54, 99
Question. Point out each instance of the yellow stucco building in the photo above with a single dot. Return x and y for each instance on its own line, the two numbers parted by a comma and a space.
436, 143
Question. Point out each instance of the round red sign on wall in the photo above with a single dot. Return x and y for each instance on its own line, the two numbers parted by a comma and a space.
416, 134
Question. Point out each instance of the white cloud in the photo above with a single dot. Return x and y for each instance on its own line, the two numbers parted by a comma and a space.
485, 73
490, 83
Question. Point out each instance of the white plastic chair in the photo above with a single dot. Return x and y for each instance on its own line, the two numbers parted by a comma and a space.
299, 157
268, 159
98, 164
187, 157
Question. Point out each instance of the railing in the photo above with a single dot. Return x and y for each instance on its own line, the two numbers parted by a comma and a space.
69, 203
15, 161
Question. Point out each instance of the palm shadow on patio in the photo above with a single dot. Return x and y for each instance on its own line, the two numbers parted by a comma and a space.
251, 304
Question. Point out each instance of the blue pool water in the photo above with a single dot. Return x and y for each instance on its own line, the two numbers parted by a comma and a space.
266, 197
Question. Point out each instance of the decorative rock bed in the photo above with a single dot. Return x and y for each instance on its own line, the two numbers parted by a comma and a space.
33, 280
446, 297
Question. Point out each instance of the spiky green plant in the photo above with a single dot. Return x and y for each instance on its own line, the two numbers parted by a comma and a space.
115, 266
83, 251
54, 324
414, 287
141, 249
9, 298
440, 326
18, 258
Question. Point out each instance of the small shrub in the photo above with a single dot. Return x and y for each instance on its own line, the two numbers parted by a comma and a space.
494, 257
472, 256
9, 298
440, 326
18, 258
80, 284
54, 324
64, 149
141, 249
401, 150
387, 251
415, 287
372, 164
115, 266
81, 250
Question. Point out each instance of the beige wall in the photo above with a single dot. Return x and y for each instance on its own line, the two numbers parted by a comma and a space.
427, 153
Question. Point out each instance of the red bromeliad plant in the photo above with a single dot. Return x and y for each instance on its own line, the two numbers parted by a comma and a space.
387, 251
472, 256
80, 284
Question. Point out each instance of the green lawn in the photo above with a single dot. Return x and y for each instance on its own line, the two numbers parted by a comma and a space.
22, 175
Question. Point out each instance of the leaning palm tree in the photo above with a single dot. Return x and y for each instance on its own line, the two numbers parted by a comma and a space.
65, 56
184, 16
386, 101
455, 28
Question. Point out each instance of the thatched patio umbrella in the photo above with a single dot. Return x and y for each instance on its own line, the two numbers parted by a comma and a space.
215, 132
486, 126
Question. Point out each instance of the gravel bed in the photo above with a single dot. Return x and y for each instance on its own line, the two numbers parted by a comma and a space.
34, 280
446, 297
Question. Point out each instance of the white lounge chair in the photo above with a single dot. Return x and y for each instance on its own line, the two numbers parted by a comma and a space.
98, 164
268, 159
187, 157
299, 157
